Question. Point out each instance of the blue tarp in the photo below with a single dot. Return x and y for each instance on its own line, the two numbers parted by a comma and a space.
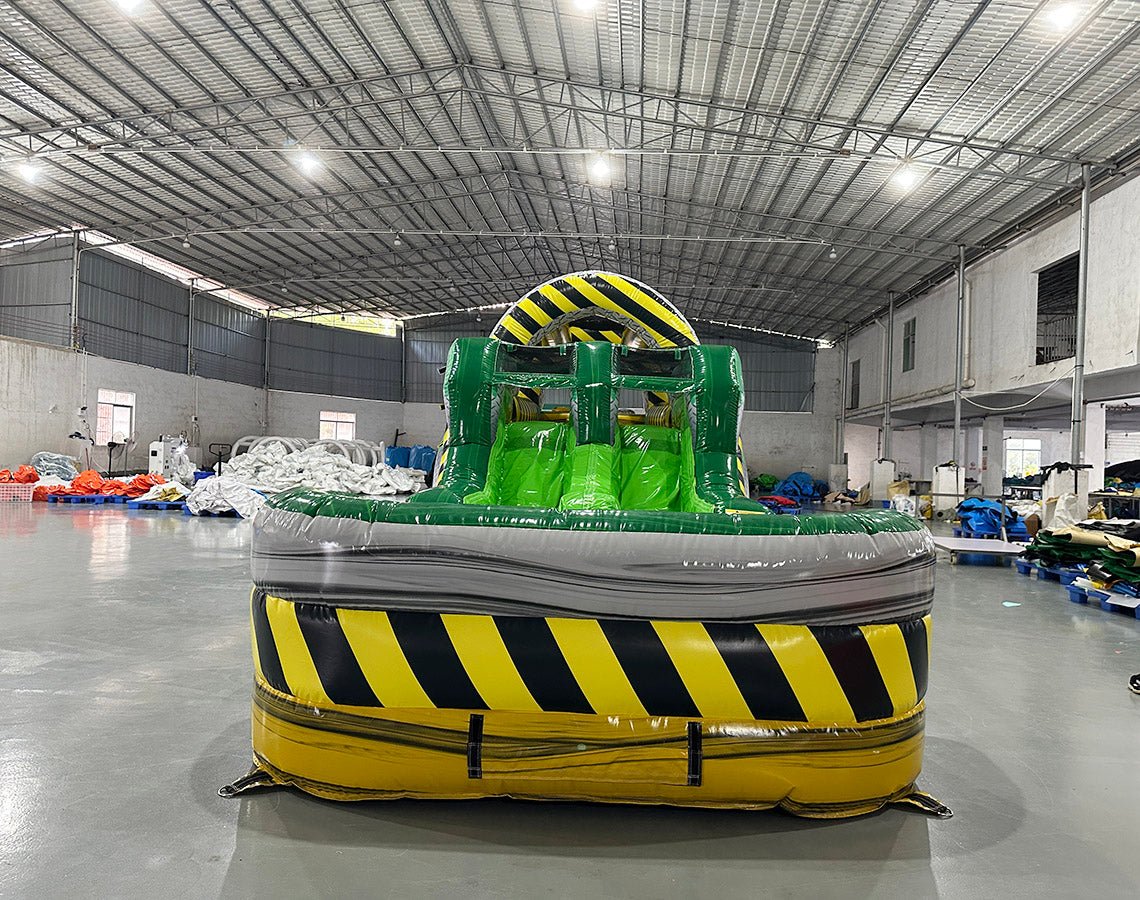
798, 486
984, 517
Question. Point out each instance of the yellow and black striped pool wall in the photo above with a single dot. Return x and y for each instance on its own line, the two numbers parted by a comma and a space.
356, 703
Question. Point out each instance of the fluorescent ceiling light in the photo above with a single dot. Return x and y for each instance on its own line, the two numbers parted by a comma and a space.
29, 171
1063, 16
130, 7
586, 5
309, 163
600, 168
906, 176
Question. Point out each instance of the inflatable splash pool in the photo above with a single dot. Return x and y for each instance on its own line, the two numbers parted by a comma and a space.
587, 605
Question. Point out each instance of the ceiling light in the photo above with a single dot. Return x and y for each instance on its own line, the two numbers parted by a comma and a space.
1063, 16
613, 245
308, 163
906, 176
600, 168
186, 242
831, 254
586, 5
397, 242
29, 171
284, 289
130, 7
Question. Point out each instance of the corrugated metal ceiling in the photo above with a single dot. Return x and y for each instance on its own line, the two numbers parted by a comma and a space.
757, 138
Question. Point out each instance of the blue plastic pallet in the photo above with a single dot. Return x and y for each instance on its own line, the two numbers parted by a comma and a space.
80, 498
226, 514
1118, 603
1077, 594
1024, 566
155, 504
115, 498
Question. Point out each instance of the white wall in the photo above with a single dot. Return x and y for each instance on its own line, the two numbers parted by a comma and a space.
1002, 301
298, 415
41, 387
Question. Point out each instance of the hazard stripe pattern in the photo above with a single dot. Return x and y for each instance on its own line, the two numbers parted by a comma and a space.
604, 292
796, 673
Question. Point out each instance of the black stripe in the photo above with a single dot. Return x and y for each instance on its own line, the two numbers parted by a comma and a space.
523, 318
433, 659
854, 665
336, 664
546, 305
267, 647
635, 309
914, 633
541, 665
648, 667
762, 682
503, 334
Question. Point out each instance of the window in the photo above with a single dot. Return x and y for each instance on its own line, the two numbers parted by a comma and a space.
908, 345
853, 400
115, 417
1022, 457
338, 426
1057, 311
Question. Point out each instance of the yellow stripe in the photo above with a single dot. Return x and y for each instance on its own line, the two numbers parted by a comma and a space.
296, 663
926, 621
612, 336
600, 300
378, 653
889, 649
580, 334
253, 639
808, 672
515, 328
487, 663
559, 299
528, 306
704, 672
666, 312
595, 667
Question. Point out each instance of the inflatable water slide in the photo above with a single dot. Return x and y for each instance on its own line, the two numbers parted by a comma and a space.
587, 605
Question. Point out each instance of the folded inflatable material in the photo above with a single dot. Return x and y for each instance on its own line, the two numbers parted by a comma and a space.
356, 704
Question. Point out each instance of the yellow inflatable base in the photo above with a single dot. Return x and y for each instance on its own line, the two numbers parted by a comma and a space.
365, 753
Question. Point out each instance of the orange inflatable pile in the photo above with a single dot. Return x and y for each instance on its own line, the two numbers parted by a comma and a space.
22, 475
91, 482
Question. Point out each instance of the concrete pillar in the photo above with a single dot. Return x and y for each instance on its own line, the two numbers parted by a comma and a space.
1094, 440
993, 454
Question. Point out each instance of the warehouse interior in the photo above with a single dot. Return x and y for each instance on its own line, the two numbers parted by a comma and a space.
746, 359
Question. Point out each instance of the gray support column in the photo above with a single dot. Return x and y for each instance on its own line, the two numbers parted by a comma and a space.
1077, 448
889, 387
190, 332
959, 445
74, 318
841, 431
265, 374
993, 454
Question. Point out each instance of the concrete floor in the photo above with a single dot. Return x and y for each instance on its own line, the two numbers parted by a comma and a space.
125, 676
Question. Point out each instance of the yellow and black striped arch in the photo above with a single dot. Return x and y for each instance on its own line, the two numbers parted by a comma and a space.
838, 674
605, 293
